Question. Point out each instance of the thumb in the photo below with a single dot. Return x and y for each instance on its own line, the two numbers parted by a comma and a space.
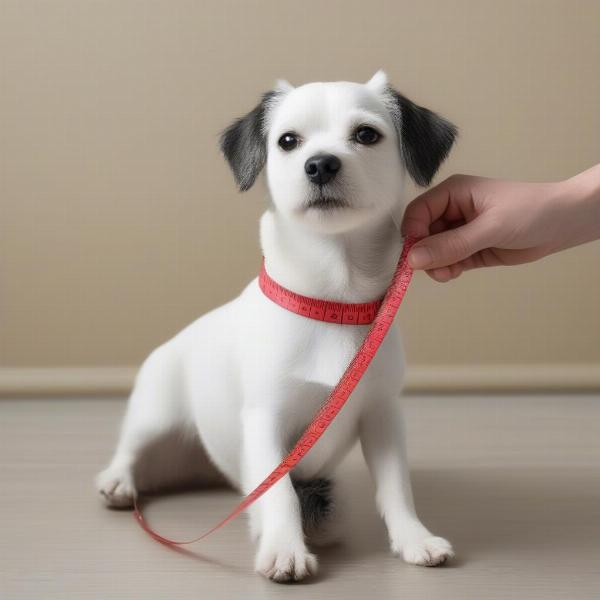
451, 246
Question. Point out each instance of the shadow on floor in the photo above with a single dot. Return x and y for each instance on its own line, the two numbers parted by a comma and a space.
486, 511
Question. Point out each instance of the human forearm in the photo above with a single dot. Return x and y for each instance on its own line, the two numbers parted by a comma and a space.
580, 196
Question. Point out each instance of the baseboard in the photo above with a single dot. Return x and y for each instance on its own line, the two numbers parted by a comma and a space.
117, 381
66, 381
504, 378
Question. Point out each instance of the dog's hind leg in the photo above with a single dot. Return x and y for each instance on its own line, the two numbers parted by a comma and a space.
153, 412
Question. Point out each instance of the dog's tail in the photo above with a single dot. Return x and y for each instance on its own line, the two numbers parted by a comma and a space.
316, 502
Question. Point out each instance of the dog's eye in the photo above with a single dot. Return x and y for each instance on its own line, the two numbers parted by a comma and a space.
366, 135
288, 141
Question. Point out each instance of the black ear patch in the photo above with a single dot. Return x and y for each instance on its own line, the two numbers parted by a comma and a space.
425, 137
244, 144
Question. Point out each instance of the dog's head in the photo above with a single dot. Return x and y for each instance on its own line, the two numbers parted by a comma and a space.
336, 153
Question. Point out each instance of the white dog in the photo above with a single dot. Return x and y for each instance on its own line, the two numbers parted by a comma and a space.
247, 377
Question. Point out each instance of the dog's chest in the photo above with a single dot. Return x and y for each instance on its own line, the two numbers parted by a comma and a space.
289, 365
314, 371
325, 352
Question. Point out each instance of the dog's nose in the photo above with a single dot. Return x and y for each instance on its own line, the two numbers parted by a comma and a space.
322, 168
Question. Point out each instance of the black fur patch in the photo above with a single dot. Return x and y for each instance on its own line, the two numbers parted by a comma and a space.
425, 137
315, 501
244, 144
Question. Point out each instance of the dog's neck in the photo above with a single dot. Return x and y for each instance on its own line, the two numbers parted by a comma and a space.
355, 266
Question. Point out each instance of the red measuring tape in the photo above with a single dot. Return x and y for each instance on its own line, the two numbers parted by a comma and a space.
332, 406
320, 310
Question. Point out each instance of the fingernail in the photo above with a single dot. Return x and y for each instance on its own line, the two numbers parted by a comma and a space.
419, 257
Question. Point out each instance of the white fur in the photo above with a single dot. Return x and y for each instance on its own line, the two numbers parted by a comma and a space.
249, 375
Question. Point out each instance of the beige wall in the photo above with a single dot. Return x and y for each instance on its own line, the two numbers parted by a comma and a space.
119, 222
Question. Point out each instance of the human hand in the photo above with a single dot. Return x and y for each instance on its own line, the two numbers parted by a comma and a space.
471, 222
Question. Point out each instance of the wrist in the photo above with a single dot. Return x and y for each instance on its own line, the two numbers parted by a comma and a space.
579, 197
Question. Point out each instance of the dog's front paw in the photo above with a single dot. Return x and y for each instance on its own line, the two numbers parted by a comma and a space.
117, 488
428, 551
282, 563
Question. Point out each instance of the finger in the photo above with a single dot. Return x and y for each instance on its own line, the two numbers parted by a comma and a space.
471, 262
438, 226
425, 209
451, 246
456, 270
441, 275
445, 274
483, 258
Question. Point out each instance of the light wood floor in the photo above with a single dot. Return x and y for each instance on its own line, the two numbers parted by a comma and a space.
513, 482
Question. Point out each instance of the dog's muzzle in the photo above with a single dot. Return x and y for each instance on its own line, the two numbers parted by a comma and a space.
322, 168
326, 203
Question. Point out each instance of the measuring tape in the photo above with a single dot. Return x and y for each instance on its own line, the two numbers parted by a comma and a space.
320, 310
335, 401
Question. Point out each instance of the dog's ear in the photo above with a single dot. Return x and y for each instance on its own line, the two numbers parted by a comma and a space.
244, 142
283, 86
425, 138
378, 83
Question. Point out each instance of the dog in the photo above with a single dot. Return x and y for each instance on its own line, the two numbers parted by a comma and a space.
246, 378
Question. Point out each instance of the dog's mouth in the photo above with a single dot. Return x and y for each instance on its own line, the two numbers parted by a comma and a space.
326, 203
